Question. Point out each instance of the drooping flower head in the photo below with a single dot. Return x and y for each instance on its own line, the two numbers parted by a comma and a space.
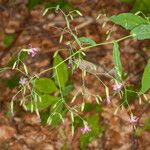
23, 81
32, 51
86, 129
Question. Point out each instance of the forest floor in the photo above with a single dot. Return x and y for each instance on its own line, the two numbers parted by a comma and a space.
24, 131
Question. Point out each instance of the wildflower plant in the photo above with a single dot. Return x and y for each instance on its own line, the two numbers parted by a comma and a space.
38, 93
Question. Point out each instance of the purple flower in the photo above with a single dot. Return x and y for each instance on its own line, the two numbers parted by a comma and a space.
69, 65
32, 51
133, 119
117, 87
86, 129
23, 81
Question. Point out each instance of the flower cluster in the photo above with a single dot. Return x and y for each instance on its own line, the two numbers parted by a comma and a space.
117, 87
23, 81
133, 119
86, 129
32, 51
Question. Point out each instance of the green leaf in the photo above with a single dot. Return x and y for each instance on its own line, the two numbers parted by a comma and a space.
45, 85
127, 1
63, 4
60, 72
95, 130
129, 95
147, 124
67, 90
9, 38
23, 56
142, 5
46, 101
87, 41
12, 82
59, 109
32, 3
92, 107
146, 78
117, 62
141, 32
128, 20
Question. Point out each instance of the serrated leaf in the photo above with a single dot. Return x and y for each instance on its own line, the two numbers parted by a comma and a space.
45, 85
46, 101
61, 72
128, 20
146, 78
87, 41
117, 62
141, 32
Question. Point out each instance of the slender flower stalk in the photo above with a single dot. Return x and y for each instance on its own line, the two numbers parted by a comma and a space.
108, 100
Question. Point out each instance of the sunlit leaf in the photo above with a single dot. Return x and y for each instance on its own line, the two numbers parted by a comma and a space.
146, 78
141, 32
87, 41
46, 101
128, 20
60, 72
45, 85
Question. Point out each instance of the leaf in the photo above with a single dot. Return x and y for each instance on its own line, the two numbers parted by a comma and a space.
60, 72
67, 90
141, 32
117, 62
127, 1
46, 101
142, 5
23, 56
87, 41
63, 4
12, 82
60, 109
128, 20
32, 3
45, 85
146, 78
147, 124
8, 40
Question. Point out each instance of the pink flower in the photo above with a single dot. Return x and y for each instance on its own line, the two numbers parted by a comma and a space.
117, 87
133, 119
32, 51
86, 129
23, 81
